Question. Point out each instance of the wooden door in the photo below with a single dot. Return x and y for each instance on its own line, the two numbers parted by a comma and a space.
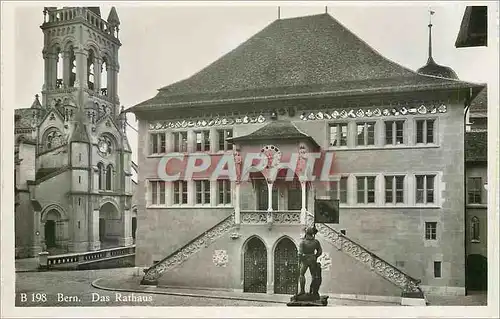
286, 268
255, 267
50, 233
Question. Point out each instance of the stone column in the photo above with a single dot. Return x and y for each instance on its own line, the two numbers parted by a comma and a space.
126, 237
66, 68
93, 228
303, 210
237, 212
37, 234
46, 60
97, 74
81, 67
269, 203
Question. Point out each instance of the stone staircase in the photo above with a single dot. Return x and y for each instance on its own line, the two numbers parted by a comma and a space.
409, 285
153, 273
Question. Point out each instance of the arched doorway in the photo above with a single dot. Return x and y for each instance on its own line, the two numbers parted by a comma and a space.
50, 228
286, 267
109, 225
477, 273
255, 266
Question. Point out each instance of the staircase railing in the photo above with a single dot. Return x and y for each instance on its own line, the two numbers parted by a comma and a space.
408, 284
154, 272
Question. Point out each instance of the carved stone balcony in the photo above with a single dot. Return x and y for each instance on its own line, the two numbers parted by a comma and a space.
260, 217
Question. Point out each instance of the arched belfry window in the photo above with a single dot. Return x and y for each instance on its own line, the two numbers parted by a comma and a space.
72, 66
109, 176
474, 229
90, 70
104, 76
102, 173
60, 65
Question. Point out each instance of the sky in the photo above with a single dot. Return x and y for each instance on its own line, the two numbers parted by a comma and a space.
163, 44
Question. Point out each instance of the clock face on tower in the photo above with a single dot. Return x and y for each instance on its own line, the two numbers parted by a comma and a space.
104, 145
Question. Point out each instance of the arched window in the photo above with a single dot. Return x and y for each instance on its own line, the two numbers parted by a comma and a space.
90, 70
474, 225
72, 66
104, 76
109, 176
52, 138
60, 64
102, 173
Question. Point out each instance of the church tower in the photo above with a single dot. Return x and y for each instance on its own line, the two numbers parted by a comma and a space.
81, 104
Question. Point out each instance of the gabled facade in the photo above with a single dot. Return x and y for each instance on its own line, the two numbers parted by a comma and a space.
306, 85
73, 173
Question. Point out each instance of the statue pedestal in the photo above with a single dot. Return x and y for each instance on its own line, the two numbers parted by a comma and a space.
307, 300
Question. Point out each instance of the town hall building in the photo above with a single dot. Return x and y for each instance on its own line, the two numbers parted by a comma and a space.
73, 164
305, 85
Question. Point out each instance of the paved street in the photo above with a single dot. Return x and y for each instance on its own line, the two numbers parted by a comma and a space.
76, 287
73, 288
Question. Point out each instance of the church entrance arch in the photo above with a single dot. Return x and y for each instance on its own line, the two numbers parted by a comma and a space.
109, 222
286, 267
51, 230
255, 266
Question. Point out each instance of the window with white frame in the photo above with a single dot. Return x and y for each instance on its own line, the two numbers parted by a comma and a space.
366, 189
474, 190
224, 143
157, 143
425, 189
180, 192
202, 192
474, 229
338, 134
339, 189
202, 141
394, 132
365, 133
157, 192
180, 141
431, 230
394, 189
425, 131
224, 191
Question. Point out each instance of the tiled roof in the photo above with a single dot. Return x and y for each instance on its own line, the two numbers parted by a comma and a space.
476, 146
45, 171
308, 56
23, 118
474, 27
279, 129
480, 103
434, 69
79, 134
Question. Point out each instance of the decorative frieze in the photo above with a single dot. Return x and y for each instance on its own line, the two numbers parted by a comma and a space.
287, 218
217, 121
253, 217
376, 112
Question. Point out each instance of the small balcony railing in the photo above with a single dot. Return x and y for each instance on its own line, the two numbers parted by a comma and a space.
261, 217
